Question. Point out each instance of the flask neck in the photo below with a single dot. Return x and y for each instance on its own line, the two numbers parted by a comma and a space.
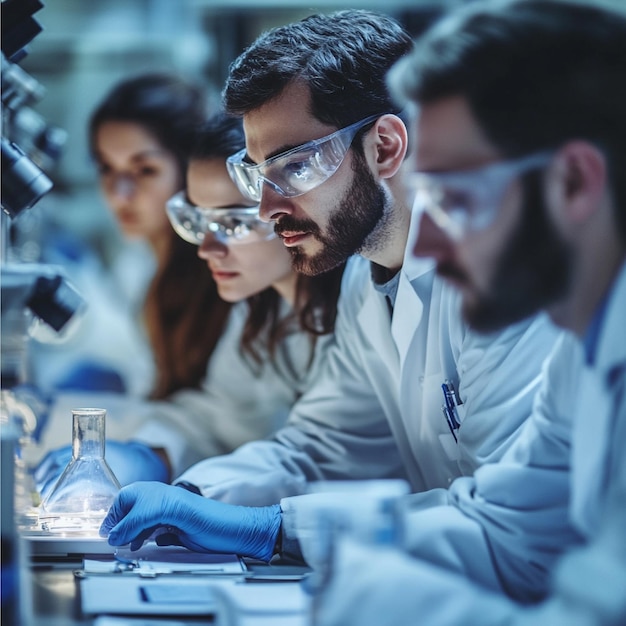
88, 435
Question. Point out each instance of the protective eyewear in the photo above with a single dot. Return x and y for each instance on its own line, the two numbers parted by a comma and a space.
468, 201
296, 171
234, 225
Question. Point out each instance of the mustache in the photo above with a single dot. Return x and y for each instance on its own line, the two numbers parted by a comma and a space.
288, 223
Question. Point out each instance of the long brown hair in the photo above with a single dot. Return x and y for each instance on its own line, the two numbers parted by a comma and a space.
183, 312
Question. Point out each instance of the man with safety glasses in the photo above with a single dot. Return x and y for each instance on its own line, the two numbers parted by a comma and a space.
519, 185
410, 391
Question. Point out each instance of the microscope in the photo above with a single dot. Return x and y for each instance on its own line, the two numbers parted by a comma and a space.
31, 293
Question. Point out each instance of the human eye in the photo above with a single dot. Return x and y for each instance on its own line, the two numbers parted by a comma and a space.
297, 168
458, 203
454, 200
147, 171
301, 167
103, 169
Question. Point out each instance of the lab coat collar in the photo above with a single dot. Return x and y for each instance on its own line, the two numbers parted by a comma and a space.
590, 340
412, 266
392, 339
407, 315
374, 316
408, 307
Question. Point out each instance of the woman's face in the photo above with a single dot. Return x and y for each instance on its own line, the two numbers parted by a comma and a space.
239, 269
137, 176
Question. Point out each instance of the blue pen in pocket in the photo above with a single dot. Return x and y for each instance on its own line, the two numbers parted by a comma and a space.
449, 407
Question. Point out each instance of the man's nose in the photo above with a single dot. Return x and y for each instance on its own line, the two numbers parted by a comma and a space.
430, 241
272, 204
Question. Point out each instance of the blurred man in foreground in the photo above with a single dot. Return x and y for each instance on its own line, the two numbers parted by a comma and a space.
519, 178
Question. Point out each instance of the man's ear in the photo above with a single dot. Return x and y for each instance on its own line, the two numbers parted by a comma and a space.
390, 141
577, 181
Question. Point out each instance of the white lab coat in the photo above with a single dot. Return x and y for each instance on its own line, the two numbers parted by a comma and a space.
453, 580
376, 410
239, 401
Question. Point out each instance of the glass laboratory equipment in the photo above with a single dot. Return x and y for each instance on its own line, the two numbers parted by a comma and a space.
82, 496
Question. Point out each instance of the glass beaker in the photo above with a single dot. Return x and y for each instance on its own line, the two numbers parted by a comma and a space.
81, 498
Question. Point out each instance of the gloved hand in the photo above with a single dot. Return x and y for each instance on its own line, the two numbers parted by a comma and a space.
130, 461
196, 522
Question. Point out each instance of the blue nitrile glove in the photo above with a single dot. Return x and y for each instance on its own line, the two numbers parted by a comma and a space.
199, 523
130, 461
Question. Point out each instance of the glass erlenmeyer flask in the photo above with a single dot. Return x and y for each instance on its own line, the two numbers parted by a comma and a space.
81, 498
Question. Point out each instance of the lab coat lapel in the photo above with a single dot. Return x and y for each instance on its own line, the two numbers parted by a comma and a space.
611, 353
611, 360
407, 314
589, 443
408, 309
374, 316
597, 413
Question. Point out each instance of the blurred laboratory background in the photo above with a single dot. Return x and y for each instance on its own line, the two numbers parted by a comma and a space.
86, 47
82, 51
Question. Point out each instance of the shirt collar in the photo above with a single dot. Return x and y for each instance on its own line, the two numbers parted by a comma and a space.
386, 282
592, 335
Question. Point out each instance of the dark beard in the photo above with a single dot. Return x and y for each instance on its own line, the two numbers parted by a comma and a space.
532, 272
357, 215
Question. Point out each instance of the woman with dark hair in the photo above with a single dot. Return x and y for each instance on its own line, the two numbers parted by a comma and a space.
262, 328
140, 136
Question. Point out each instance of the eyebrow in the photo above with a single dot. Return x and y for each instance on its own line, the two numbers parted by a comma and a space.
223, 208
277, 152
287, 147
148, 154
139, 156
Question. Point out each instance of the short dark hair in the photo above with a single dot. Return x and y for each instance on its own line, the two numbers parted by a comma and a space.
535, 73
342, 57
218, 137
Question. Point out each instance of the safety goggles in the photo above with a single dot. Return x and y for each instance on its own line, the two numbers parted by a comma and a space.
296, 171
468, 201
238, 225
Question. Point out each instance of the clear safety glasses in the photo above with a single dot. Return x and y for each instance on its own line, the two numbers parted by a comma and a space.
298, 170
238, 225
468, 201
